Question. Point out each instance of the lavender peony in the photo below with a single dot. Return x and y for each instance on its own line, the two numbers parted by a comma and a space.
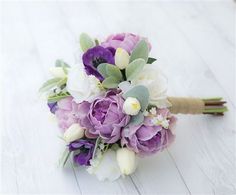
149, 138
104, 117
126, 41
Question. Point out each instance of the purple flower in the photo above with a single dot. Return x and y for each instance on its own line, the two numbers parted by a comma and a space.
148, 138
126, 41
86, 148
104, 117
95, 56
66, 113
53, 107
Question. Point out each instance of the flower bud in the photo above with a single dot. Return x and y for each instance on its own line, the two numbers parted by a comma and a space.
57, 72
126, 160
121, 58
131, 106
74, 132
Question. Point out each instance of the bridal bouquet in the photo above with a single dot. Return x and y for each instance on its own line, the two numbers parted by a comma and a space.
113, 106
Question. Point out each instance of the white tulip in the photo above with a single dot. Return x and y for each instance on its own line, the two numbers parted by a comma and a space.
105, 166
126, 160
156, 82
57, 72
131, 106
121, 58
81, 86
74, 132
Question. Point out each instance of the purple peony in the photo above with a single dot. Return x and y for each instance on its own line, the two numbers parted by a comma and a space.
86, 148
104, 117
126, 41
66, 113
148, 138
95, 56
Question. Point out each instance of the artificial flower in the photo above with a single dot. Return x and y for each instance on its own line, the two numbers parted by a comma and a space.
105, 166
86, 149
126, 160
95, 56
156, 82
127, 41
66, 112
121, 58
148, 138
131, 106
105, 115
82, 86
74, 132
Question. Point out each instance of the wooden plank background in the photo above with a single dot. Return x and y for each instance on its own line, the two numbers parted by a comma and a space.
194, 42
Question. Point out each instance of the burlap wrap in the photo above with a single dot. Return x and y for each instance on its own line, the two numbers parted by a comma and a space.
189, 105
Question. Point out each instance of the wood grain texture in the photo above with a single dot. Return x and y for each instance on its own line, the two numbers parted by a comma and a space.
194, 43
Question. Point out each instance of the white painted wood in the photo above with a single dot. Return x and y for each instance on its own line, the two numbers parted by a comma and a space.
195, 46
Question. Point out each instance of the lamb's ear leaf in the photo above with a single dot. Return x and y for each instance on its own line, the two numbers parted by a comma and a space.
110, 83
141, 50
102, 69
137, 119
134, 68
141, 93
113, 71
86, 42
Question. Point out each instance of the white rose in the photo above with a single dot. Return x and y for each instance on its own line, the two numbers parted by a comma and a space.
121, 58
74, 132
131, 106
105, 166
156, 82
81, 86
57, 72
126, 160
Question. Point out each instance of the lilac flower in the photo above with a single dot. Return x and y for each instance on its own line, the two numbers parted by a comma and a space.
66, 112
148, 138
95, 56
86, 148
126, 41
53, 107
104, 117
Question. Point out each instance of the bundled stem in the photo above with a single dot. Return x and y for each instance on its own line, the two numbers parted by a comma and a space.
213, 106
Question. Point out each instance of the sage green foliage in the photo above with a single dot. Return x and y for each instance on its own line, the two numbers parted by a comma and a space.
140, 51
63, 65
64, 158
141, 93
51, 83
113, 71
57, 97
137, 119
134, 68
86, 42
110, 82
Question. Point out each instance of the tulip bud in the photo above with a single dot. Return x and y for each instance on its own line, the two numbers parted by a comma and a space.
131, 106
57, 72
121, 58
74, 132
126, 160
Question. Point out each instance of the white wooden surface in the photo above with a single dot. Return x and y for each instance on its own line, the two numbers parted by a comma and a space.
194, 42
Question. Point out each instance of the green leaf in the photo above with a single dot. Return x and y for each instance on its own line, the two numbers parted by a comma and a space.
140, 51
110, 83
113, 71
96, 42
141, 93
137, 119
102, 69
86, 42
49, 84
134, 68
151, 60
58, 97
65, 156
61, 63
